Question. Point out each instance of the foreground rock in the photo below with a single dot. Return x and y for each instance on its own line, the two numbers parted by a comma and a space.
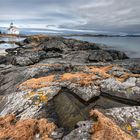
106, 129
28, 129
102, 128
127, 118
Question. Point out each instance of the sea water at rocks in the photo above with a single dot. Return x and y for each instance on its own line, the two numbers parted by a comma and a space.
4, 46
129, 45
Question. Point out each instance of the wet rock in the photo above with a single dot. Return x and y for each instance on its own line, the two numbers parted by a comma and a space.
28, 58
70, 108
76, 56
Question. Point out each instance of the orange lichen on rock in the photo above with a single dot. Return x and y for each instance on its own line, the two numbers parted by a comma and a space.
83, 78
26, 129
80, 78
101, 71
37, 38
106, 129
36, 83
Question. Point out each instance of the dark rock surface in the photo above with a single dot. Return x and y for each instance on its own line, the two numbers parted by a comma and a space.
3, 59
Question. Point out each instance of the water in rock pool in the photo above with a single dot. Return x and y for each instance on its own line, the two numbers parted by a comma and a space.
130, 45
4, 46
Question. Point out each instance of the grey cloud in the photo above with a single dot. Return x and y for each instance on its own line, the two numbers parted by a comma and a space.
109, 15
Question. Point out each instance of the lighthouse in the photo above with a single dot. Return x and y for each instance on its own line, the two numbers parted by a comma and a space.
13, 29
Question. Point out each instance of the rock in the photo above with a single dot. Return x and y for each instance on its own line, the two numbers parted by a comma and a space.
127, 89
54, 45
76, 45
28, 104
35, 48
11, 76
131, 64
1, 42
105, 129
58, 133
100, 56
117, 55
106, 55
85, 92
70, 108
82, 132
25, 129
127, 118
3, 59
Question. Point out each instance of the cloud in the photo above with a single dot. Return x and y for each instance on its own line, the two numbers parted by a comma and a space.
102, 15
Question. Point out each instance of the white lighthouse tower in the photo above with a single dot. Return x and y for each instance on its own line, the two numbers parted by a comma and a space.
13, 29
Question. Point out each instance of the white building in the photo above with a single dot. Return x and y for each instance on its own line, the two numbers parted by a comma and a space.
13, 29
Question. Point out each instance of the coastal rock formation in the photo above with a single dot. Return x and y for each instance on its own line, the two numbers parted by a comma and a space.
62, 80
36, 48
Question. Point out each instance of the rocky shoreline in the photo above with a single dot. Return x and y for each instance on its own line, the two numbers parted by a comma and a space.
57, 88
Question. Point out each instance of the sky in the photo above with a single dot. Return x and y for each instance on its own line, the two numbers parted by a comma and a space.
93, 15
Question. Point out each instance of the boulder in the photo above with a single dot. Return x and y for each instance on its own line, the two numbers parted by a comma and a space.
100, 56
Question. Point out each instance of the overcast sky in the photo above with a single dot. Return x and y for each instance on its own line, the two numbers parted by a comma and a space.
100, 15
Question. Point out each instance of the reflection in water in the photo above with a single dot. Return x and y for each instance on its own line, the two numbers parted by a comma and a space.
4, 46
10, 40
8, 45
16, 39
